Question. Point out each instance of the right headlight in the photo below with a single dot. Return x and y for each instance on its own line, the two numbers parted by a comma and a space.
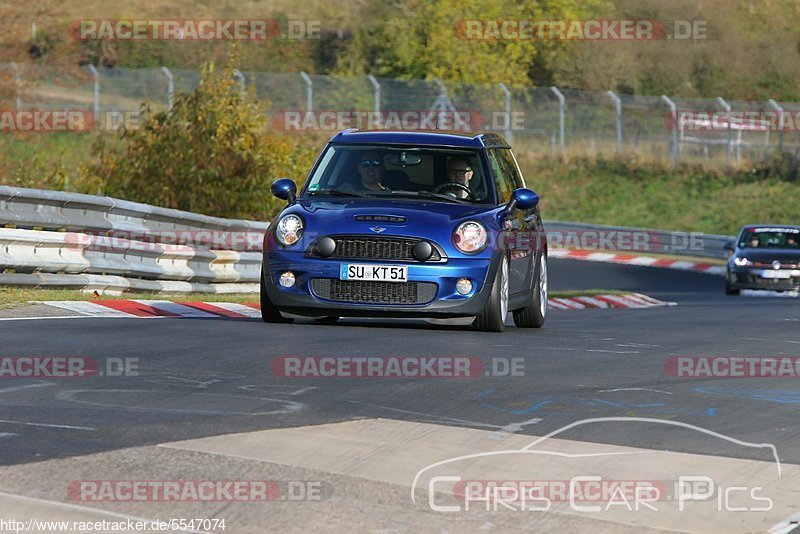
289, 230
742, 262
470, 237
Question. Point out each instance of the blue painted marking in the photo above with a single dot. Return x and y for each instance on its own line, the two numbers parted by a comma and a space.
538, 403
343, 271
777, 396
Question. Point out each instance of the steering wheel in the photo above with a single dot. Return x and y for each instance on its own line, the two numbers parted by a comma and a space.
455, 185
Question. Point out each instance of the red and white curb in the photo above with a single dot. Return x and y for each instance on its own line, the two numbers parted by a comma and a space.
637, 261
231, 310
159, 308
627, 300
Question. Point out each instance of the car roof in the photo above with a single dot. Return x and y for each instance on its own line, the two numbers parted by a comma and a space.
421, 137
770, 226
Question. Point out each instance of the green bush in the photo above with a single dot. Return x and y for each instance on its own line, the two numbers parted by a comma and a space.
210, 154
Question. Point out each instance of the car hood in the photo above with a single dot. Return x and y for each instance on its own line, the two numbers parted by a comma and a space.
411, 215
413, 218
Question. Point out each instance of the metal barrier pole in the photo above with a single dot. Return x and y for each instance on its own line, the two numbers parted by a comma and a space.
674, 151
309, 92
617, 118
561, 103
170, 87
779, 109
376, 92
18, 83
239, 76
727, 109
96, 76
507, 94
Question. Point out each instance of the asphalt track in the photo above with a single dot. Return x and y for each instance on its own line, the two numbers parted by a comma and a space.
201, 378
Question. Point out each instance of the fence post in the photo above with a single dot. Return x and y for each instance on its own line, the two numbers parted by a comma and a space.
509, 134
376, 92
617, 118
170, 87
779, 109
239, 76
96, 109
673, 150
309, 91
561, 101
727, 109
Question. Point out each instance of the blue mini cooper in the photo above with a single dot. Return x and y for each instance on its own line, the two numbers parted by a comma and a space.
408, 224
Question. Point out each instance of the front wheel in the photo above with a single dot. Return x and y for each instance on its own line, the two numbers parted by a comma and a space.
493, 316
729, 290
533, 315
269, 312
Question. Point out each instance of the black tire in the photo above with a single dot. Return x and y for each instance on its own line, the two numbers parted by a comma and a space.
728, 289
533, 315
269, 312
492, 318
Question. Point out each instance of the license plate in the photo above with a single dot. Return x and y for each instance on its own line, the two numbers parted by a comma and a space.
776, 274
377, 273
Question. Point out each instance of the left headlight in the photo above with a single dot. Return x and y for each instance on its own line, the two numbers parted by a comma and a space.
289, 230
470, 237
742, 262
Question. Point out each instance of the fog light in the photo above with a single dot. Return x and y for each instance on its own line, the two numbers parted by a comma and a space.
464, 286
287, 279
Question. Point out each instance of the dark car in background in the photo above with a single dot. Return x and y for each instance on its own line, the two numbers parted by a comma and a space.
408, 224
765, 257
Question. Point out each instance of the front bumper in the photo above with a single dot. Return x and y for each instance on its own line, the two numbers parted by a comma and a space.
300, 299
752, 278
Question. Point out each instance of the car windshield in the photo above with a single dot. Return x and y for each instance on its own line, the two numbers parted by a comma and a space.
788, 238
449, 175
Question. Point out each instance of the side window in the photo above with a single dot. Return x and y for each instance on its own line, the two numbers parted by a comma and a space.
513, 169
503, 175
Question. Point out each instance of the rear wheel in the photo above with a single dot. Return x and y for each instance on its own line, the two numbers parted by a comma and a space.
493, 316
533, 315
269, 312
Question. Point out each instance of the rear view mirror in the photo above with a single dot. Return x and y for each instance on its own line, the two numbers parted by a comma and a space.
403, 159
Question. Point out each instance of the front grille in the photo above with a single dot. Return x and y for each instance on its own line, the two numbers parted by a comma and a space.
377, 248
768, 265
362, 292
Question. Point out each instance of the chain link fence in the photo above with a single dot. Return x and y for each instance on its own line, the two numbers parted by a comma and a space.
543, 120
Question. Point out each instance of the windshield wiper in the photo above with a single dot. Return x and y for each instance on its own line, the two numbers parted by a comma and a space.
336, 193
429, 194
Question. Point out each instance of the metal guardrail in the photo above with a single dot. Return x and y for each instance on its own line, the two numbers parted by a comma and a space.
61, 239
59, 210
635, 240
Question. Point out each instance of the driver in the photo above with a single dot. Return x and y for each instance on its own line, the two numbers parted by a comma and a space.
754, 242
459, 171
370, 168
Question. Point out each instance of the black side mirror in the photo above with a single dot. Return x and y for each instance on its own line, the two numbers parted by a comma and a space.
284, 189
523, 199
729, 246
